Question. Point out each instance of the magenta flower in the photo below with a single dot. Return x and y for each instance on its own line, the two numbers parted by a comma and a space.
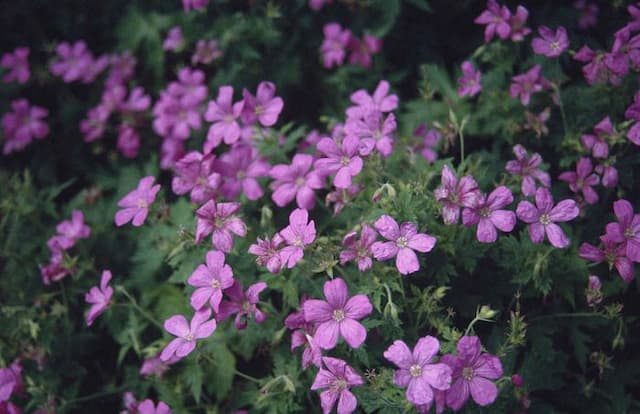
17, 64
334, 44
518, 22
224, 114
128, 141
155, 366
94, 125
596, 143
268, 252
359, 250
337, 378
170, 152
543, 216
69, 232
22, 125
135, 205
295, 181
198, 5
99, 297
453, 194
206, 52
241, 167
592, 292
174, 41
538, 122
148, 407
404, 240
375, 132
56, 269
190, 88
318, 4
302, 336
341, 197
172, 119
528, 168
10, 381
73, 61
588, 14
379, 101
299, 233
122, 68
550, 44
469, 83
210, 280
488, 215
187, 333
361, 51
219, 220
194, 174
265, 107
582, 180
341, 159
609, 175
416, 370
528, 83
472, 372
242, 304
615, 254
430, 139
496, 18
626, 230
338, 315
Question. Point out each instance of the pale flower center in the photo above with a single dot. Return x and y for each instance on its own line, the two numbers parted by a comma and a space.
415, 371
189, 336
555, 46
485, 212
338, 315
258, 109
246, 306
142, 203
215, 283
402, 242
545, 220
339, 384
241, 175
629, 233
345, 161
300, 181
228, 118
467, 373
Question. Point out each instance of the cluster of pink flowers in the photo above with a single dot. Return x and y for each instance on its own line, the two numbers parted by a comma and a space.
338, 41
11, 384
68, 233
17, 65
499, 20
75, 62
22, 125
207, 50
132, 406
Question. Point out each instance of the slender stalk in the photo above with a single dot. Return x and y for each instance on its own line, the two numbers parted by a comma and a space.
563, 115
133, 303
247, 377
95, 396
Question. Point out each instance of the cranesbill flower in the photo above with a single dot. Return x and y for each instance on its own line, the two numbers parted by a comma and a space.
469, 83
56, 269
189, 88
299, 233
194, 173
187, 333
361, 51
94, 125
295, 181
496, 18
206, 52
595, 142
224, 114
264, 107
453, 194
242, 304
430, 139
73, 62
341, 197
550, 44
338, 315
337, 378
9, 381
375, 132
122, 68
472, 373
135, 205
588, 14
148, 407
318, 4
543, 216
99, 297
155, 366
210, 280
172, 119
379, 101
627, 229
528, 167
359, 250
174, 40
69, 232
198, 5
17, 64
518, 22
21, 126
582, 180
488, 215
341, 159
592, 293
268, 252
241, 167
302, 335
416, 370
219, 220
538, 122
128, 140
334, 44
528, 83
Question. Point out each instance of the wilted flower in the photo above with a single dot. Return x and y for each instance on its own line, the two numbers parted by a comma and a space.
592, 292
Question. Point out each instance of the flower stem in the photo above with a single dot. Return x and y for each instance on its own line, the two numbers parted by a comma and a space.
247, 377
134, 304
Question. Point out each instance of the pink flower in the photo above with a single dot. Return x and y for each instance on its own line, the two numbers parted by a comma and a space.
198, 5
341, 197
94, 125
626, 230
430, 139
99, 297
241, 167
219, 219
528, 83
155, 366
496, 18
543, 216
206, 52
190, 88
128, 140
470, 80
609, 175
550, 44
375, 132
379, 101
148, 407
170, 152
223, 113
122, 68
337, 378
453, 194
22, 125
174, 41
264, 107
602, 67
17, 64
359, 250
338, 315
76, 62
295, 181
404, 240
268, 252
362, 51
318, 4
341, 159
334, 44
194, 173
210, 280
135, 205
588, 14
416, 371
299, 233
56, 269
187, 333
592, 292
582, 180
243, 305
538, 122
174, 120
10, 381
472, 372
596, 143
302, 335
518, 22
488, 215
69, 232
528, 168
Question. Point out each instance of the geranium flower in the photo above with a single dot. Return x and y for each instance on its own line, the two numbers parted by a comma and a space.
21, 126
337, 378
582, 180
496, 18
299, 233
295, 181
241, 167
99, 297
268, 252
206, 52
341, 159
148, 407
264, 107
174, 40
627, 229
469, 83
194, 173
528, 83
528, 168
453, 194
488, 215
550, 44
135, 205
242, 304
223, 113
187, 333
219, 220
210, 280
379, 101
17, 65
69, 232
359, 250
334, 44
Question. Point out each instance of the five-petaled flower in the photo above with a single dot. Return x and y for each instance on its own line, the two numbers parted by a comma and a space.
210, 280
219, 220
550, 43
135, 205
337, 379
187, 333
99, 297
488, 215
242, 304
